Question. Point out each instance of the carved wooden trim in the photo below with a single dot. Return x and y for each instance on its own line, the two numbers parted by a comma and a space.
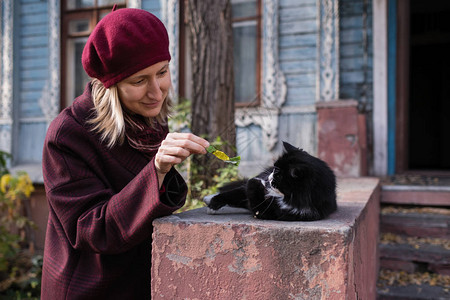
171, 17
266, 118
274, 89
134, 3
49, 101
328, 50
7, 64
6, 100
274, 84
1, 52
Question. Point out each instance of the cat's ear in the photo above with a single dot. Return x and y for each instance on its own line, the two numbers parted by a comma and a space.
288, 147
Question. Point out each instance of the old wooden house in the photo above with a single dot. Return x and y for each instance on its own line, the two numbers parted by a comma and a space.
363, 84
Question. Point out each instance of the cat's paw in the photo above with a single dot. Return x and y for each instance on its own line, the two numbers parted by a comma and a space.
211, 211
212, 202
207, 199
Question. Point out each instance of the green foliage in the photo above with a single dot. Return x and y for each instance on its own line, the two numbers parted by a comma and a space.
27, 285
19, 271
198, 186
3, 158
181, 118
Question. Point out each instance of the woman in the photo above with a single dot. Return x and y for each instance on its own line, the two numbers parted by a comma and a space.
108, 165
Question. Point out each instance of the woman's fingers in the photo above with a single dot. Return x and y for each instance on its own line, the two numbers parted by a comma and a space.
188, 141
176, 148
174, 151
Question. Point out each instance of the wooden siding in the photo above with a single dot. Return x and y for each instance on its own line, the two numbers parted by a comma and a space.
299, 129
356, 62
153, 6
298, 50
33, 51
33, 78
297, 45
255, 157
31, 140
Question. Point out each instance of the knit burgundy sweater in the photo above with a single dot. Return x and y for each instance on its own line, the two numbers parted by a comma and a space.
101, 206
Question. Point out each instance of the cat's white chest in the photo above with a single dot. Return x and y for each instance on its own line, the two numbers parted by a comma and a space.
277, 195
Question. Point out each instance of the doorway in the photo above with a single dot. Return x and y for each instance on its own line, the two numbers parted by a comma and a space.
423, 87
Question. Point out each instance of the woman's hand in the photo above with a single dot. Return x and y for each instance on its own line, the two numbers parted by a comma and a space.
175, 149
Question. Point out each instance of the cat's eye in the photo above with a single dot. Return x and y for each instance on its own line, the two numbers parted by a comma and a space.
294, 173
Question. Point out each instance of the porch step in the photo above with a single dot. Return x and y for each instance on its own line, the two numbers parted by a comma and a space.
412, 286
416, 195
415, 238
414, 243
416, 221
416, 190
415, 254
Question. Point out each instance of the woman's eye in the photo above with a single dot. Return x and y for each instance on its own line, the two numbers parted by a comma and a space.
162, 73
138, 82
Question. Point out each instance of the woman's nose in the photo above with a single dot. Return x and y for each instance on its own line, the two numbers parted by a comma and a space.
154, 89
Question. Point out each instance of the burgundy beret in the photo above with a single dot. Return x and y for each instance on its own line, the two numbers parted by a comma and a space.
124, 42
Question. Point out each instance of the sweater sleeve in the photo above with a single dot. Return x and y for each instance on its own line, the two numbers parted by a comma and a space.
91, 214
172, 188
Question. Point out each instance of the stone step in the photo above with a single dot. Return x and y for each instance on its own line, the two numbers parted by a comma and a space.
416, 221
409, 286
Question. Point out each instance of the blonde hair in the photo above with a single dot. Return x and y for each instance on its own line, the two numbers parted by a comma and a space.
110, 118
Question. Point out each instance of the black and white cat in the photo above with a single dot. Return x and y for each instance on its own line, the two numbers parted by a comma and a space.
299, 187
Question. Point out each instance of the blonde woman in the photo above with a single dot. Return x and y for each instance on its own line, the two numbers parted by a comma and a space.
108, 165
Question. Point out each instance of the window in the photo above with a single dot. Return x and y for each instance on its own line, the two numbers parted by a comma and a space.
79, 18
247, 51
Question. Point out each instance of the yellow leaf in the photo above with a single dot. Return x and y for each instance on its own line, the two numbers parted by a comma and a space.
220, 155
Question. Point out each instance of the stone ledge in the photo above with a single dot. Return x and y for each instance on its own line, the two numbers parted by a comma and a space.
234, 256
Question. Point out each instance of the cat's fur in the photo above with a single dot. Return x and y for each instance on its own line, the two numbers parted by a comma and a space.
299, 187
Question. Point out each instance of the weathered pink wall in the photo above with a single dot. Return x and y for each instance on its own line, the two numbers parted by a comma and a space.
342, 140
234, 256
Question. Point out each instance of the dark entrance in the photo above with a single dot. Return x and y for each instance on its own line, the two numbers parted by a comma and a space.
424, 95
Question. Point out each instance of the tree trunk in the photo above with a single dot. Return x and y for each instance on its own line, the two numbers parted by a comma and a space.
211, 42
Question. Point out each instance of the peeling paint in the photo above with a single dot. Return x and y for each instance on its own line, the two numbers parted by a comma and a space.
245, 255
343, 147
228, 256
187, 261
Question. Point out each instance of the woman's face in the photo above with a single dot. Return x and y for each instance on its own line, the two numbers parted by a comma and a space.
144, 92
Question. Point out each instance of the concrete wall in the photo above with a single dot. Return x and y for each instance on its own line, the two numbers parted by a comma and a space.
234, 256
